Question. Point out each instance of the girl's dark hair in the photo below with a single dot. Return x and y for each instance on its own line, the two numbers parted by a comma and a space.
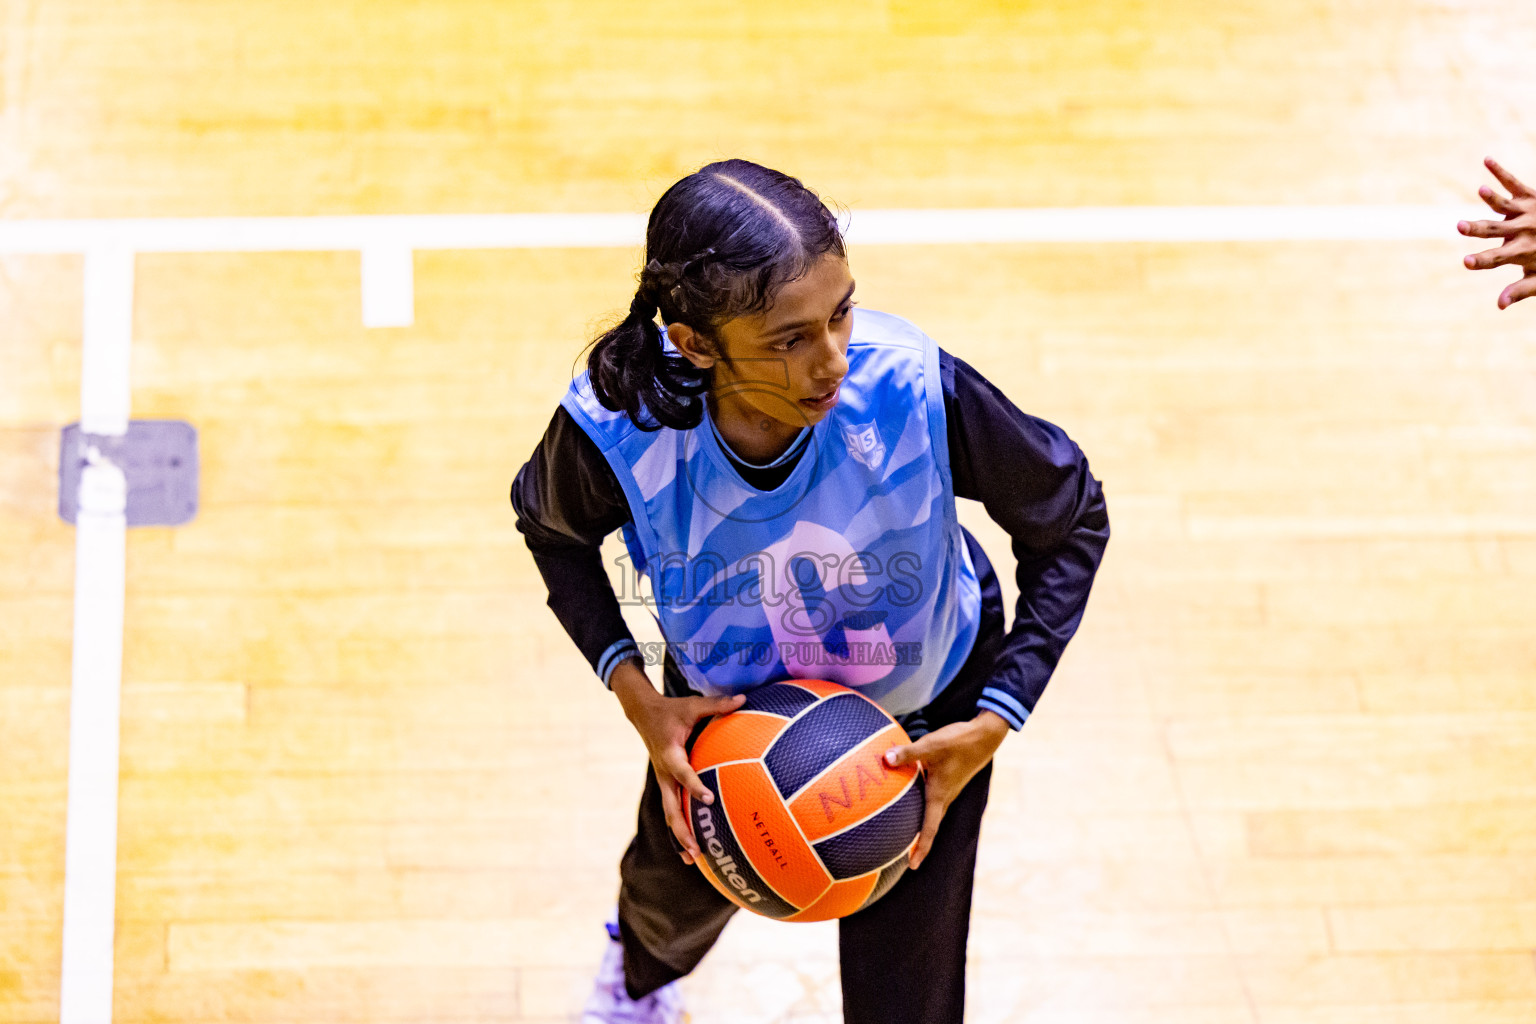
719, 244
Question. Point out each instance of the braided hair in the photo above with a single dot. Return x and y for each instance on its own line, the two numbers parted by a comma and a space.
719, 244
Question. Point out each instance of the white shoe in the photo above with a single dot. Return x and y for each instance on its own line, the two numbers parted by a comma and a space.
609, 1002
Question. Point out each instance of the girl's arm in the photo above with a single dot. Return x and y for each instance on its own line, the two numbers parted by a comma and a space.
1035, 483
567, 500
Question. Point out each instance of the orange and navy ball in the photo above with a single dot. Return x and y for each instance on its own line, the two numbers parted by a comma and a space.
809, 822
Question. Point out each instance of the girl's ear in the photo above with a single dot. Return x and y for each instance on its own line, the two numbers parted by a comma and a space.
693, 345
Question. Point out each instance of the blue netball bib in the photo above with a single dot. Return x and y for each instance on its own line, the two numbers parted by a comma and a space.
853, 569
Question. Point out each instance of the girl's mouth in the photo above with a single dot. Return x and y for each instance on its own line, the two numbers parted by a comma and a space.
822, 402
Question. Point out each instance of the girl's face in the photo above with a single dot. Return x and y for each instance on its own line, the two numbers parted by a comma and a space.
783, 365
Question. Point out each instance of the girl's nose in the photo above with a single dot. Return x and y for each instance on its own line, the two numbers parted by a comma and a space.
832, 364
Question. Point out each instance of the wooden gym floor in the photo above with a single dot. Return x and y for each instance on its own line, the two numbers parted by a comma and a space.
1286, 773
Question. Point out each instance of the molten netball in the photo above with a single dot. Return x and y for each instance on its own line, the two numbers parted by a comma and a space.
809, 822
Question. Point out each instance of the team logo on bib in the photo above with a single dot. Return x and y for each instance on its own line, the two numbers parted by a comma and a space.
864, 443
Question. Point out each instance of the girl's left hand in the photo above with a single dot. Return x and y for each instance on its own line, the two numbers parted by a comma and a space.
951, 757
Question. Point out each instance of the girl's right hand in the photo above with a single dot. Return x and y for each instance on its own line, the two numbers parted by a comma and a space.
664, 724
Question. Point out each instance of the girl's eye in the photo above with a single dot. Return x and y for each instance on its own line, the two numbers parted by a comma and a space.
837, 318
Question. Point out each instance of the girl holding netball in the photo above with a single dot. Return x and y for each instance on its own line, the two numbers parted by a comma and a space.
784, 468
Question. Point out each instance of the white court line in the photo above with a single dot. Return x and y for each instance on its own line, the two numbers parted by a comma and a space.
389, 286
1239, 527
90, 843
386, 243
868, 227
106, 341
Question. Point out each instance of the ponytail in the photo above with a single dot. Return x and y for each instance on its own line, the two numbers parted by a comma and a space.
629, 370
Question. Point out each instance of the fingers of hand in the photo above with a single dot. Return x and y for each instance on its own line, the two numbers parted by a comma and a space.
725, 705
1506, 179
703, 707
933, 813
1519, 249
1489, 228
1521, 289
907, 753
683, 774
1499, 202
677, 821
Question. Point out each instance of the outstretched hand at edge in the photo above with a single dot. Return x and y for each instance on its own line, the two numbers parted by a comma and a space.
1518, 229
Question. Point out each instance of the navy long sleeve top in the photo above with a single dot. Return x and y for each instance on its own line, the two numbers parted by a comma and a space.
1032, 479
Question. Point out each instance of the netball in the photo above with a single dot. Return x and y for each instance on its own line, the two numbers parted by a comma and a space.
809, 822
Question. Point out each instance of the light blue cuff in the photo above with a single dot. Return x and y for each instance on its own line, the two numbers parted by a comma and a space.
616, 653
1004, 704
